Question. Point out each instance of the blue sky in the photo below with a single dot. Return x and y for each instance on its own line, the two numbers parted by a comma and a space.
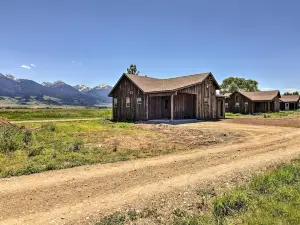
93, 41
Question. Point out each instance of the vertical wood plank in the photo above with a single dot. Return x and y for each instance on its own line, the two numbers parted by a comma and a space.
147, 107
172, 107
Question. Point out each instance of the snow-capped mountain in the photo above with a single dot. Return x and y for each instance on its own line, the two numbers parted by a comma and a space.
54, 84
11, 77
103, 86
100, 91
66, 94
82, 88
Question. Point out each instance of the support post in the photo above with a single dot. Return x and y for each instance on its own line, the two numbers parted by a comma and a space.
147, 107
172, 107
269, 109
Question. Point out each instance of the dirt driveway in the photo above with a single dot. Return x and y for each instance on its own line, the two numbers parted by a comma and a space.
81, 195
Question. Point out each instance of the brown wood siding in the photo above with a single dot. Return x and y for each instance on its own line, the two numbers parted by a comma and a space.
242, 108
136, 111
204, 90
158, 108
184, 106
187, 103
253, 107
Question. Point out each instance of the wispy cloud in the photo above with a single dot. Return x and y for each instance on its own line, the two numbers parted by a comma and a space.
32, 65
26, 67
73, 61
266, 88
290, 89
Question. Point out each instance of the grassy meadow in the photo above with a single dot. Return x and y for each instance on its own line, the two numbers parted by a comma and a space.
270, 198
35, 147
54, 113
49, 146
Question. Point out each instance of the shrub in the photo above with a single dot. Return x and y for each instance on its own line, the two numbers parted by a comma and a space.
75, 146
113, 219
34, 151
11, 139
49, 127
27, 138
229, 204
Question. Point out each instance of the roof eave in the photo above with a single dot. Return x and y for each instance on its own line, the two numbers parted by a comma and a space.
124, 74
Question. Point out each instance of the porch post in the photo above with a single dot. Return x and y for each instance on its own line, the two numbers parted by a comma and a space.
269, 109
172, 107
147, 107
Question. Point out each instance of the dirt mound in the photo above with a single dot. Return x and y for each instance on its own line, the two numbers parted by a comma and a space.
4, 122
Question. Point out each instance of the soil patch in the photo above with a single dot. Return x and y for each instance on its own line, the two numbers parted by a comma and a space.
284, 122
4, 122
165, 137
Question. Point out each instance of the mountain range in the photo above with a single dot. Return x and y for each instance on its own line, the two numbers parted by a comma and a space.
57, 93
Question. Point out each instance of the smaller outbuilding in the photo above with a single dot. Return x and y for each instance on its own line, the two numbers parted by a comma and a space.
253, 102
289, 102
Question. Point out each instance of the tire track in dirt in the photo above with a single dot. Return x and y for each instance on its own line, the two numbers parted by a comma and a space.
123, 183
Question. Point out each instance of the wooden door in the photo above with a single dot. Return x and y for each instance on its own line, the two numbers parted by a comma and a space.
166, 108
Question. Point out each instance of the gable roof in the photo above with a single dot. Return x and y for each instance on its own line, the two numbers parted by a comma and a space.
261, 95
152, 85
290, 98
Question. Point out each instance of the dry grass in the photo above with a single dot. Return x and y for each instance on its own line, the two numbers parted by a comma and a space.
156, 137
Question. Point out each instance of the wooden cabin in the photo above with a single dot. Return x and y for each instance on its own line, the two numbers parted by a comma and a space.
253, 102
138, 97
289, 102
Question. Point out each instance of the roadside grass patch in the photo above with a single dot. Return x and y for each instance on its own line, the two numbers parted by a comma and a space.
113, 219
269, 198
233, 115
39, 147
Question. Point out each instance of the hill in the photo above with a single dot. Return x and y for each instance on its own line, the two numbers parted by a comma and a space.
24, 91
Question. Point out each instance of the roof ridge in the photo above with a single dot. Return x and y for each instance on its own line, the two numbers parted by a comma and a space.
146, 76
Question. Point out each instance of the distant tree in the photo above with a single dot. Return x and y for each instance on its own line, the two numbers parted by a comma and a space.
132, 70
232, 84
291, 93
233, 87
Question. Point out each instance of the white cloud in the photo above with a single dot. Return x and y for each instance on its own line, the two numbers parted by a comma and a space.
26, 67
290, 89
266, 88
32, 65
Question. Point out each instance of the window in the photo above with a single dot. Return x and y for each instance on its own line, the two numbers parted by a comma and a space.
127, 102
115, 102
246, 103
206, 100
139, 100
226, 105
237, 104
236, 98
166, 104
131, 92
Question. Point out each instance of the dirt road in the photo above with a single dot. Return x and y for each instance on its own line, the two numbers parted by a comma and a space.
78, 195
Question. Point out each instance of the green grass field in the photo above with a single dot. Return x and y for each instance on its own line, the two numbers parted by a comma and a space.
55, 113
36, 147
49, 146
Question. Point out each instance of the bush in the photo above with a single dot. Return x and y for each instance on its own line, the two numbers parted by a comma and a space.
11, 139
34, 151
49, 127
75, 146
229, 204
113, 219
